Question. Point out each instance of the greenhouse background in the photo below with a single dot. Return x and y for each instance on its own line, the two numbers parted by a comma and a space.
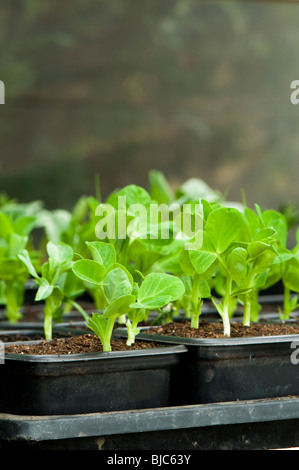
116, 88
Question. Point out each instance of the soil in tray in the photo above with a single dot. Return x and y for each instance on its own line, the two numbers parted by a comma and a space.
87, 343
215, 329
20, 337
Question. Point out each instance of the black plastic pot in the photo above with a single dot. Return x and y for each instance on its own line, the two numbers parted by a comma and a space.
221, 370
257, 424
87, 383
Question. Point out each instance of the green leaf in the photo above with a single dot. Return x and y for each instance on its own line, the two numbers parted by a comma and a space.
89, 271
260, 279
55, 223
6, 226
257, 248
187, 283
103, 253
204, 290
117, 284
185, 263
54, 300
10, 269
98, 324
142, 254
152, 303
133, 194
264, 261
291, 276
119, 306
264, 233
44, 290
161, 285
260, 214
195, 189
80, 209
236, 264
70, 285
123, 268
250, 226
60, 256
277, 221
223, 226
160, 190
202, 260
16, 244
24, 225
25, 258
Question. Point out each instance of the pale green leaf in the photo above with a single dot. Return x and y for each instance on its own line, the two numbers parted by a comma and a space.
119, 306
60, 256
44, 290
152, 303
161, 284
25, 258
103, 253
117, 284
223, 226
89, 271
202, 260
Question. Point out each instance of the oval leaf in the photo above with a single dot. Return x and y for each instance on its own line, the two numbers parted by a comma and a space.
117, 284
60, 256
119, 306
45, 290
223, 226
236, 265
152, 303
89, 271
202, 260
103, 253
160, 284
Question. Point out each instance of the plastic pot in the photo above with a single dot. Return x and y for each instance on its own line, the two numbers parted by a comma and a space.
221, 370
87, 383
256, 424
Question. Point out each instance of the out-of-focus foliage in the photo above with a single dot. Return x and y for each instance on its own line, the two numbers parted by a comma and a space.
194, 88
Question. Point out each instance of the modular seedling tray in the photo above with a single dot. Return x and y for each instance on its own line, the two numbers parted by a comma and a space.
255, 424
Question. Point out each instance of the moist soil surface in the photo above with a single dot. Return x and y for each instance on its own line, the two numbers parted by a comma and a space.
215, 329
10, 338
88, 343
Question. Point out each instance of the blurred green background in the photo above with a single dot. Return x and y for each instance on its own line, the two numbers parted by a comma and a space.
118, 87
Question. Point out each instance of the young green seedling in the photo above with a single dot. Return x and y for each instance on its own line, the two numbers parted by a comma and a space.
121, 295
60, 260
136, 229
289, 275
155, 291
221, 230
198, 267
195, 189
71, 227
195, 266
115, 284
290, 280
262, 257
160, 189
125, 218
14, 237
